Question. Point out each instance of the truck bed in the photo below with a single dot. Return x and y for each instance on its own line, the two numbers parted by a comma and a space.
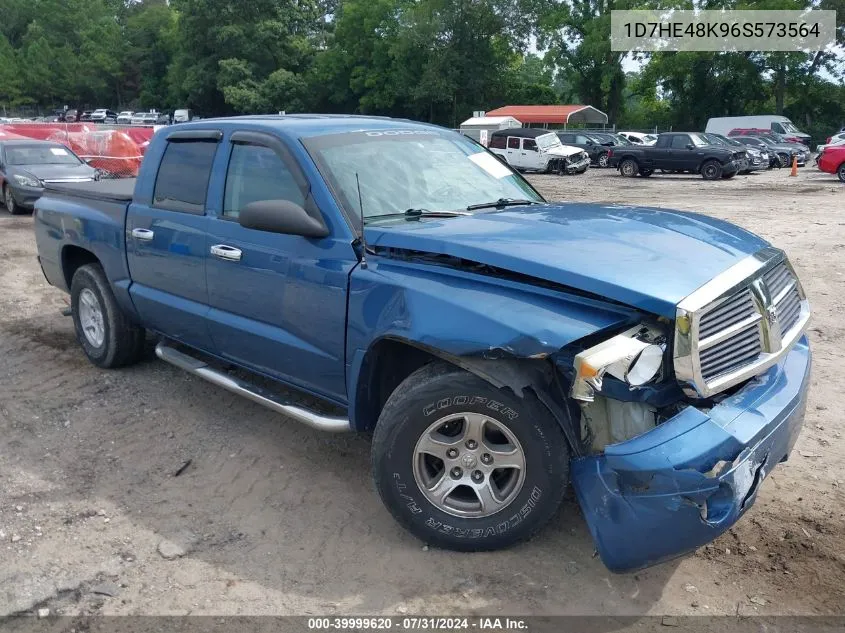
111, 190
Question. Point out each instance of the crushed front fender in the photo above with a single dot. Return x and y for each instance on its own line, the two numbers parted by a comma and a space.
682, 484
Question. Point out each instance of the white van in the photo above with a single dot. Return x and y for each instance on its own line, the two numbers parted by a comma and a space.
761, 123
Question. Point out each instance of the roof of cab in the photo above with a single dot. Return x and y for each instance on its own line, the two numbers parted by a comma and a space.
307, 125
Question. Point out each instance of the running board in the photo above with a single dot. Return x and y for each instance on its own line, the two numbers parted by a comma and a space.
333, 424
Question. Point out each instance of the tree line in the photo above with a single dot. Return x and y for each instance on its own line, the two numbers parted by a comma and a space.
430, 60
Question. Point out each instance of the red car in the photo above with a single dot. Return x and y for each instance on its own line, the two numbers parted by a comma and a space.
832, 161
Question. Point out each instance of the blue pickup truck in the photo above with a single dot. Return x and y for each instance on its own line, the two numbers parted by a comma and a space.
406, 283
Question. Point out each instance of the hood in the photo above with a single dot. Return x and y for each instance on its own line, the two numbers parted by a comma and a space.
56, 172
646, 258
564, 150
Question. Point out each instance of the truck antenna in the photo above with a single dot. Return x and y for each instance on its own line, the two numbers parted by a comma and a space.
363, 240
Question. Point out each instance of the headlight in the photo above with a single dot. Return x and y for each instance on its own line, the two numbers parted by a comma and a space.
635, 356
26, 181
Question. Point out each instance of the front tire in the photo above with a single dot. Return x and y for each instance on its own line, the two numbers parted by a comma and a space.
603, 160
106, 336
783, 160
711, 170
465, 466
9, 200
841, 172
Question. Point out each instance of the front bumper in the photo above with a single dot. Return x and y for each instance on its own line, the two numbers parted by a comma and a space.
578, 167
682, 484
25, 197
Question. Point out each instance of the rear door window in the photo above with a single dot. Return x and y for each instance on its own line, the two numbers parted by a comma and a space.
182, 180
680, 142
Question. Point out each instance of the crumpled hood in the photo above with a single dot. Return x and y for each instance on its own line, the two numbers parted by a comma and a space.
643, 257
564, 150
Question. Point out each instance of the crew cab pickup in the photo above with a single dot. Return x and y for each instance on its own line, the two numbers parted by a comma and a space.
497, 346
679, 152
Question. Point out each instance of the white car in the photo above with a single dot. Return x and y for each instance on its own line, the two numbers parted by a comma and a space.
836, 139
639, 138
125, 117
538, 150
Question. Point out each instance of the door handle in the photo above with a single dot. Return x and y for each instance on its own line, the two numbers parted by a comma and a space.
229, 253
143, 234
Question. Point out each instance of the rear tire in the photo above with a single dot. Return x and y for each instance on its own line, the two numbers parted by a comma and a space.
108, 338
629, 168
711, 170
423, 444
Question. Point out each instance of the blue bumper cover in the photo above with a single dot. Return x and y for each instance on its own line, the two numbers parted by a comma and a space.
682, 484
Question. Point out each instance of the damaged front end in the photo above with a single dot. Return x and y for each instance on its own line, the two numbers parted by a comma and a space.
678, 486
672, 456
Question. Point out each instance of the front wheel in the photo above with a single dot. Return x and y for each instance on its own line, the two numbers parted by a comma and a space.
603, 160
783, 160
9, 200
841, 172
465, 466
711, 170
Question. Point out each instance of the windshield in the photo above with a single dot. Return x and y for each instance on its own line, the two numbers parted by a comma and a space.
648, 138
621, 140
546, 141
788, 126
413, 169
700, 139
37, 154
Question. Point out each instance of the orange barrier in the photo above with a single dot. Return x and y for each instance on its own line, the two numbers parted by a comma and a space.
794, 171
116, 151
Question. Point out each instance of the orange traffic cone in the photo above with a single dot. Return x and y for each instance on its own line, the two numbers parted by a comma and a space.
794, 171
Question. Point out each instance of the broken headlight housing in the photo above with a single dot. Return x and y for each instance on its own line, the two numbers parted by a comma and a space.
634, 356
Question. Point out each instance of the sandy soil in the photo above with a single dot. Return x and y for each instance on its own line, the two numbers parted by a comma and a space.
145, 491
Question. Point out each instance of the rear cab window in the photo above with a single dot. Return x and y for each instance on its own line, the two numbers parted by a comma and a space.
183, 175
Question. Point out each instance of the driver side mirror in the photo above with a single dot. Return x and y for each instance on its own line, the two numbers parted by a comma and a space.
690, 146
281, 216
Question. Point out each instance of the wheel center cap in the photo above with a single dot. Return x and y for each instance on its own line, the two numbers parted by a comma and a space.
469, 461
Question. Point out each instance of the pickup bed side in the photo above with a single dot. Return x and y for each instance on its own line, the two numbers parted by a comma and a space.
84, 223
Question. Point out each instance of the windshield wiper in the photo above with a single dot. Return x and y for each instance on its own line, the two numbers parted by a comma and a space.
425, 213
413, 214
501, 203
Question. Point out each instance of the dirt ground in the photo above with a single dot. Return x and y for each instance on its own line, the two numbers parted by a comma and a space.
147, 491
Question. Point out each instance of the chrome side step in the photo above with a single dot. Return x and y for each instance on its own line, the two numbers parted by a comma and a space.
333, 424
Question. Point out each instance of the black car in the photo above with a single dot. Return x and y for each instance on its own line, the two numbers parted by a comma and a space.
779, 155
26, 166
679, 152
594, 148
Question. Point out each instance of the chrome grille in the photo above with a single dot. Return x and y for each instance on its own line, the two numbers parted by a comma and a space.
734, 310
739, 324
732, 353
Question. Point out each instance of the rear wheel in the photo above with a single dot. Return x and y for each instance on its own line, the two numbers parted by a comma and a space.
106, 336
711, 170
629, 168
465, 466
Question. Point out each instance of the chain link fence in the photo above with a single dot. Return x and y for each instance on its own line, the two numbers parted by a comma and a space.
117, 151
